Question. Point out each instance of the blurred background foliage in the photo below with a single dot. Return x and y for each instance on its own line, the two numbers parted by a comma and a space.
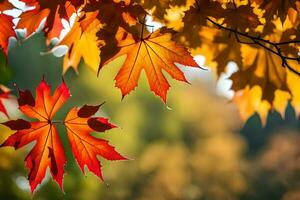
194, 148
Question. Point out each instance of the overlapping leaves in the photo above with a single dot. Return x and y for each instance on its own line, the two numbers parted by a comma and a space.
261, 37
48, 151
93, 36
53, 12
267, 30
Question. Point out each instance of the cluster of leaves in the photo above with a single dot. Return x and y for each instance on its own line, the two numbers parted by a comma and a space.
260, 36
48, 151
102, 30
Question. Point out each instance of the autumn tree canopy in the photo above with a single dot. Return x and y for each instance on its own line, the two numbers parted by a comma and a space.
260, 36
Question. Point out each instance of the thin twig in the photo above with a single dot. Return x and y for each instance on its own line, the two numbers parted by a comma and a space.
240, 41
263, 43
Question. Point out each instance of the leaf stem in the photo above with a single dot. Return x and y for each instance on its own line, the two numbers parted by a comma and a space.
143, 26
57, 122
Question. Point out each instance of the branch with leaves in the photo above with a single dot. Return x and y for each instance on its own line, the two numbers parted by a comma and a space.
262, 42
261, 37
96, 38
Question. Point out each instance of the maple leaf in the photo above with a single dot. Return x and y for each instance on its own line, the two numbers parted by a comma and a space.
83, 43
196, 17
113, 14
48, 150
107, 29
54, 12
159, 8
6, 25
277, 8
92, 37
249, 101
173, 17
240, 17
229, 50
4, 94
262, 68
85, 147
263, 83
290, 34
154, 53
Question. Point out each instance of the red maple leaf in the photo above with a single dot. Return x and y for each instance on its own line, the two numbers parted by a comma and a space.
6, 25
79, 124
4, 94
48, 151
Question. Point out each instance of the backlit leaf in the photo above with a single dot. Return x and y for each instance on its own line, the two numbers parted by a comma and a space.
85, 147
154, 54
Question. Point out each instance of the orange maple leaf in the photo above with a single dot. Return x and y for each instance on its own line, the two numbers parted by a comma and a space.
92, 36
48, 150
79, 124
154, 53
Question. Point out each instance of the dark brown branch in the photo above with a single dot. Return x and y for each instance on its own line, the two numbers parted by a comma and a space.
288, 42
263, 43
240, 41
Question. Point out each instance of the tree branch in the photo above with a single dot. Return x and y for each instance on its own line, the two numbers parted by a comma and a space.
263, 43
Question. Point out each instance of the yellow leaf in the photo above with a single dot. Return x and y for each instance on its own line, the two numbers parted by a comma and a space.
83, 44
249, 102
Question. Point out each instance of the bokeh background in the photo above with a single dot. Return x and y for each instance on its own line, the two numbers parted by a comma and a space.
194, 148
